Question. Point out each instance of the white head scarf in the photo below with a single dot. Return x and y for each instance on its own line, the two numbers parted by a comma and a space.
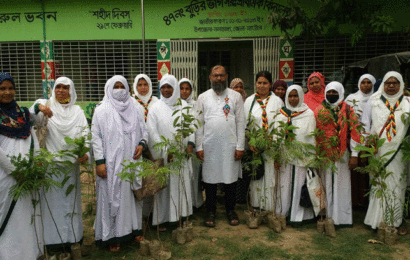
370, 77
145, 98
61, 108
64, 114
173, 82
68, 120
124, 120
391, 98
359, 96
301, 105
189, 100
125, 108
339, 88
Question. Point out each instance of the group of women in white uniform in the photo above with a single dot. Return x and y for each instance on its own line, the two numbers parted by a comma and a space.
124, 126
338, 133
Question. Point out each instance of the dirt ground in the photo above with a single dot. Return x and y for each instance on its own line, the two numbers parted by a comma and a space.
240, 242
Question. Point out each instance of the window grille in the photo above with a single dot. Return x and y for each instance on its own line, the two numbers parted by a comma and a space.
23, 62
184, 61
91, 63
266, 56
331, 56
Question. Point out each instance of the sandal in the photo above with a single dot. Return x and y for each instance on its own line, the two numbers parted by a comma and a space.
138, 239
210, 220
161, 228
233, 218
402, 230
114, 247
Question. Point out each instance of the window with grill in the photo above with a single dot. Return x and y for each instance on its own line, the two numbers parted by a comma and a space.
22, 61
331, 56
91, 63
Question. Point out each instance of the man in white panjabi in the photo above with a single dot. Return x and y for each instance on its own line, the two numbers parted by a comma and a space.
187, 93
67, 120
119, 133
385, 107
293, 175
220, 142
175, 201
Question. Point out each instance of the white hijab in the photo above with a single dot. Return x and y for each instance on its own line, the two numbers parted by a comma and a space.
334, 85
67, 120
190, 99
391, 98
124, 108
173, 82
359, 96
121, 118
301, 105
145, 98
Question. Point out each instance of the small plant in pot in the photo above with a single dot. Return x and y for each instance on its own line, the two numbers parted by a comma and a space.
285, 150
377, 168
177, 148
77, 148
34, 173
154, 177
253, 163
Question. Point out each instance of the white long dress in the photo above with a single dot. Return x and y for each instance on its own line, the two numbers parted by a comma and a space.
175, 200
262, 190
293, 175
197, 196
146, 104
119, 214
19, 239
220, 135
375, 116
338, 183
67, 121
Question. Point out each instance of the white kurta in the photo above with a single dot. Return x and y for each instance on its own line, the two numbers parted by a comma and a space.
62, 206
293, 175
375, 116
18, 240
338, 192
220, 136
175, 200
197, 196
115, 226
262, 191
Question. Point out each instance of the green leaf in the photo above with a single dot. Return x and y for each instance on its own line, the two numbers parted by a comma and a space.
176, 121
381, 142
69, 189
65, 180
379, 193
361, 148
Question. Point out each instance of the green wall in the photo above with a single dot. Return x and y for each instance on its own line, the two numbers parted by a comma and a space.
98, 20
20, 20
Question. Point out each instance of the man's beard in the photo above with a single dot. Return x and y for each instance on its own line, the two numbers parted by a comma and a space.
218, 87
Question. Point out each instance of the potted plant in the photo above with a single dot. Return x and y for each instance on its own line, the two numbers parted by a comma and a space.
34, 174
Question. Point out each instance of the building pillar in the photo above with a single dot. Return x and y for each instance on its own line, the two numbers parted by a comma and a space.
47, 67
163, 58
286, 60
